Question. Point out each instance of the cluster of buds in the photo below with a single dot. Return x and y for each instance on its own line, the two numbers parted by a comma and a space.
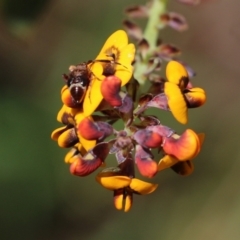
102, 96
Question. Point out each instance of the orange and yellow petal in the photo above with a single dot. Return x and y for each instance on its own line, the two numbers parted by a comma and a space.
184, 147
142, 187
113, 182
176, 72
176, 102
196, 97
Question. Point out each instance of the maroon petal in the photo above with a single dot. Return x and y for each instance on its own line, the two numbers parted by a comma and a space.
162, 130
127, 104
168, 51
143, 47
121, 156
143, 159
159, 101
175, 20
149, 120
133, 30
139, 11
106, 128
143, 103
148, 139
110, 89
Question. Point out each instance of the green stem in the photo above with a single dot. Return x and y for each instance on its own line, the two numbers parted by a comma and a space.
151, 34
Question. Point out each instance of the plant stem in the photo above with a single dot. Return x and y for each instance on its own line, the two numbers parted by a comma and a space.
150, 34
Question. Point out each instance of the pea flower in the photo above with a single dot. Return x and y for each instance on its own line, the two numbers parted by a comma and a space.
122, 182
180, 96
115, 57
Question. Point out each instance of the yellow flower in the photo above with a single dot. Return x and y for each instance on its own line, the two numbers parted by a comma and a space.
116, 59
124, 187
67, 136
180, 97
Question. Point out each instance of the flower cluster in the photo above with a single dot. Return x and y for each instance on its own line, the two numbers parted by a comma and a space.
101, 92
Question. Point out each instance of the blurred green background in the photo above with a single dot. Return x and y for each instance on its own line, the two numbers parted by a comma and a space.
40, 199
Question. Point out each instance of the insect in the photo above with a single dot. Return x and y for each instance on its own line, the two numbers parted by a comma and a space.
78, 81
80, 76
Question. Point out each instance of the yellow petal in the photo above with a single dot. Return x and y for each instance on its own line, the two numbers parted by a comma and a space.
93, 95
118, 199
68, 157
117, 40
166, 162
124, 69
142, 187
128, 202
57, 132
176, 102
113, 182
175, 72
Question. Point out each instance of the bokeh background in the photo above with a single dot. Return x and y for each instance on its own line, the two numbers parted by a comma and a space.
40, 199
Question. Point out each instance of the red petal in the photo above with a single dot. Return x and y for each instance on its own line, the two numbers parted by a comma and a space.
110, 89
148, 139
146, 166
81, 167
89, 130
